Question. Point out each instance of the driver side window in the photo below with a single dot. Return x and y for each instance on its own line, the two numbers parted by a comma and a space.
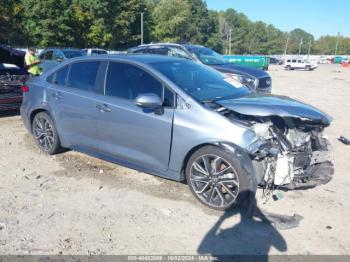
57, 55
128, 81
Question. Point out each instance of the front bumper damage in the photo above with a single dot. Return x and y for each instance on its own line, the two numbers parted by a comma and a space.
292, 159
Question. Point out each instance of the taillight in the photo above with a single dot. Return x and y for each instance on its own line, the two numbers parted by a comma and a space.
25, 89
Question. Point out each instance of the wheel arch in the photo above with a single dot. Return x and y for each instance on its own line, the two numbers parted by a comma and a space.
233, 149
34, 113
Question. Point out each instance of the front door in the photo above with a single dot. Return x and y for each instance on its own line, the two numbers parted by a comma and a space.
127, 132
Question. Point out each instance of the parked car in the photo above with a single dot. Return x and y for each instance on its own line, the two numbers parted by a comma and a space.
292, 64
9, 55
276, 61
255, 79
11, 80
95, 51
51, 57
180, 120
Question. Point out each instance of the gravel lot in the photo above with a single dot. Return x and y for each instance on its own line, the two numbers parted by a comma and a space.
75, 204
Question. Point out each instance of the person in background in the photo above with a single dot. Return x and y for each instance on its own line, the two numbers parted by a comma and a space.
32, 62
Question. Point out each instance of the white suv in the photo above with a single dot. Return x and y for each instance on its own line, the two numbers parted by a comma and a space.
292, 64
95, 51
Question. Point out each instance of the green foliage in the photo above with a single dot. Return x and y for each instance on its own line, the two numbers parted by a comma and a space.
299, 38
49, 22
172, 21
115, 24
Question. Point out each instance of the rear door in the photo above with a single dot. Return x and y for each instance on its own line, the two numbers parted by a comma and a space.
72, 96
300, 64
127, 132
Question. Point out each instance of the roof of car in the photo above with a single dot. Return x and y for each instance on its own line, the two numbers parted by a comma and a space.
142, 58
62, 48
164, 44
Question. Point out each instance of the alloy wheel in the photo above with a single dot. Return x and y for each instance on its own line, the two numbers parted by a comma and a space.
44, 133
214, 181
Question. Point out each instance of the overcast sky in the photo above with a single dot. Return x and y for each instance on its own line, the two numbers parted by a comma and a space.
318, 17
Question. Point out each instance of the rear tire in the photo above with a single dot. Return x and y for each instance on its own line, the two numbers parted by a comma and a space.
307, 68
216, 178
288, 67
45, 134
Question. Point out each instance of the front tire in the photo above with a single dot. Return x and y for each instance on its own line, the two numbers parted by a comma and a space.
288, 68
307, 68
45, 134
216, 178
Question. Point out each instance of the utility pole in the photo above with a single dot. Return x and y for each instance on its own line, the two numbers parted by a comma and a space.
301, 42
229, 43
308, 52
142, 28
336, 45
286, 47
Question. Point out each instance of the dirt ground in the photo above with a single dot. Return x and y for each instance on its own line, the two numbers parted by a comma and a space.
75, 204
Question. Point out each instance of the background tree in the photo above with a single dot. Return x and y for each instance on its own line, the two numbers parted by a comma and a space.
115, 24
172, 21
11, 30
296, 36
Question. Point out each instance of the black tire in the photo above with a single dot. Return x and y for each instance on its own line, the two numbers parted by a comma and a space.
45, 134
223, 183
307, 68
288, 67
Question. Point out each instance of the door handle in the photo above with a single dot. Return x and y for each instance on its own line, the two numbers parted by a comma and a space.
103, 108
106, 108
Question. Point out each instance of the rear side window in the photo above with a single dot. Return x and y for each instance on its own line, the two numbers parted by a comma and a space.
140, 51
158, 51
294, 61
288, 61
128, 81
83, 75
59, 77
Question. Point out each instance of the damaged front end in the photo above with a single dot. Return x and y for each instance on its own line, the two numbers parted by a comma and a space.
290, 152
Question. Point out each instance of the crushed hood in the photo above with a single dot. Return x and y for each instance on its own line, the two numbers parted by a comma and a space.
273, 105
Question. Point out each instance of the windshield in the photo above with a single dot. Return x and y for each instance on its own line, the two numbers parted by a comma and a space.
199, 81
73, 53
208, 56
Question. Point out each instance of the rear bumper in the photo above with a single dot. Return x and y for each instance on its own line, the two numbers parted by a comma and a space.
25, 118
10, 101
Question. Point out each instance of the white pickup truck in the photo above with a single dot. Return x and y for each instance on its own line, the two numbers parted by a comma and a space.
291, 64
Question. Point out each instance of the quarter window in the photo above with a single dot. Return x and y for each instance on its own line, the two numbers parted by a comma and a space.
128, 81
61, 76
83, 75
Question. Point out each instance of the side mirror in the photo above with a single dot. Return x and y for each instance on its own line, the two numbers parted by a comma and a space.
59, 59
150, 101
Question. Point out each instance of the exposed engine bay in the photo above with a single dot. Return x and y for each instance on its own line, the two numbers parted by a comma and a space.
291, 153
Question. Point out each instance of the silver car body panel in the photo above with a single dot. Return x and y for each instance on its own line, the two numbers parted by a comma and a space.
156, 144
